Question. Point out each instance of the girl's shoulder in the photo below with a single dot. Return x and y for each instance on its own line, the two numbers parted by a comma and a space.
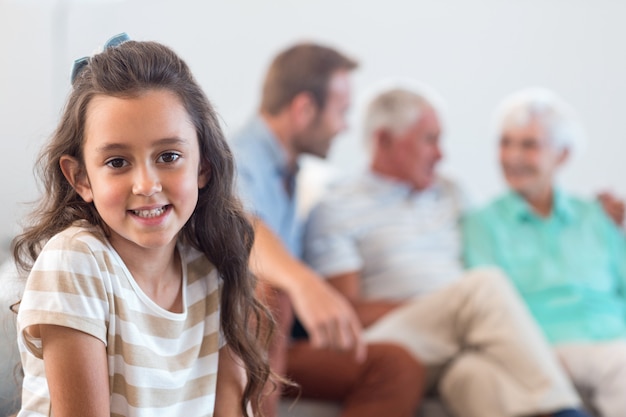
79, 234
198, 266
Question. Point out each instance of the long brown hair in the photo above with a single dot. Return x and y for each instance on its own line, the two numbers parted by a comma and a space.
217, 227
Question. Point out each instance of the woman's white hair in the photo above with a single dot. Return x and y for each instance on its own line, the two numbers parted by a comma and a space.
395, 104
543, 106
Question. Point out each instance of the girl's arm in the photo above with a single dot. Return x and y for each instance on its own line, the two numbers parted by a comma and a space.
231, 381
77, 372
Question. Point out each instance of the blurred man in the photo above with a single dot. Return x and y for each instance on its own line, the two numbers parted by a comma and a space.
305, 98
390, 242
564, 255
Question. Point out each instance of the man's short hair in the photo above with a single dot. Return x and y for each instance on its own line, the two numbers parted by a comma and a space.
395, 104
305, 67
545, 107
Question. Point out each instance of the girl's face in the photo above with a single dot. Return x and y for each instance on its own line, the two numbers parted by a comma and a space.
141, 168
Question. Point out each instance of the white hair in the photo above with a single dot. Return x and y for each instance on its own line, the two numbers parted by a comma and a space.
546, 108
395, 104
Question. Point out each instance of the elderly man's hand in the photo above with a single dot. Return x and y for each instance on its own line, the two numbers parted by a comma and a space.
613, 206
328, 317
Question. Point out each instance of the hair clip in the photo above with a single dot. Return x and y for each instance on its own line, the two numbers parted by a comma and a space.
80, 63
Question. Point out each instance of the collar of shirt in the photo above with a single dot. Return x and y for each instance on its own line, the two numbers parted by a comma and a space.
277, 155
520, 210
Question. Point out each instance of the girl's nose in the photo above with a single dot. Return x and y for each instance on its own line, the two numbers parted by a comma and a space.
146, 182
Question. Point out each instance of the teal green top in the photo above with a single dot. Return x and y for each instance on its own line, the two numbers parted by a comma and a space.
570, 267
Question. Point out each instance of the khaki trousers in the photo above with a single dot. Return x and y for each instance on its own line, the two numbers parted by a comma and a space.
497, 362
599, 372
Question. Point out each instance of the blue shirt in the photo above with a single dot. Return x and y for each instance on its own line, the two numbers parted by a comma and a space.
265, 184
570, 267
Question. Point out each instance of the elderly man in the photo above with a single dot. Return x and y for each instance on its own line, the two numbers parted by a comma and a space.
305, 97
390, 242
563, 254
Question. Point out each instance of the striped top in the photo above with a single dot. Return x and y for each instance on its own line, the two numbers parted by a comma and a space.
402, 242
160, 363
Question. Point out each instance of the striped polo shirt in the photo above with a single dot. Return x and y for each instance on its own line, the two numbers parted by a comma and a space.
403, 242
160, 363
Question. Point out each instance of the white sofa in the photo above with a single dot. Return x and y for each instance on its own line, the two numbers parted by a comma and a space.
10, 372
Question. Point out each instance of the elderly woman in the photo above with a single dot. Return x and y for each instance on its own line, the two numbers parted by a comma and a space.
564, 254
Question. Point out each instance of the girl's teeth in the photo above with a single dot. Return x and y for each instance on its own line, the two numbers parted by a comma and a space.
149, 213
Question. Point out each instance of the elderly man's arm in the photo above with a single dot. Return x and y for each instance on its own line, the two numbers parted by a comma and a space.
368, 311
613, 207
327, 316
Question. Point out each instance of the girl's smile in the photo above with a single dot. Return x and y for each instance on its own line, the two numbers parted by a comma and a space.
149, 213
151, 216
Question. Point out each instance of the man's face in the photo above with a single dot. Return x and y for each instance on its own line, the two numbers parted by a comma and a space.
528, 159
317, 137
416, 152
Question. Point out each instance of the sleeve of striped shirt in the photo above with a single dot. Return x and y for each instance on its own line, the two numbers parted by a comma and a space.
329, 246
66, 288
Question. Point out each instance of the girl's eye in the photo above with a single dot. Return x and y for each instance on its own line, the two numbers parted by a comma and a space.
117, 163
168, 157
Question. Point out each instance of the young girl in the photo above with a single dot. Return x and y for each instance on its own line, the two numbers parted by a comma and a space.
139, 301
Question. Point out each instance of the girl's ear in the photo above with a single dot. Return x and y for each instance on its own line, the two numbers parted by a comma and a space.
204, 174
77, 177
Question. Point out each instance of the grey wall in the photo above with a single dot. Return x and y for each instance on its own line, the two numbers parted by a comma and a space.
473, 53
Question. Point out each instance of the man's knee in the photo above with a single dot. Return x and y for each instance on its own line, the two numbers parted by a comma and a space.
488, 280
396, 366
467, 375
470, 387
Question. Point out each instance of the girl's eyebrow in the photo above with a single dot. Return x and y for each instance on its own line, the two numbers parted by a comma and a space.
114, 146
